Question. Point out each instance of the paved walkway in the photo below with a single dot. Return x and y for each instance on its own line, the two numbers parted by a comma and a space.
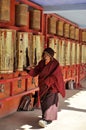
71, 114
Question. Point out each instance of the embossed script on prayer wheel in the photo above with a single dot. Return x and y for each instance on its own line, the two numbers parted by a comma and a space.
52, 25
5, 10
7, 41
53, 44
73, 47
21, 47
35, 19
62, 49
83, 57
67, 55
38, 47
78, 56
30, 48
22, 13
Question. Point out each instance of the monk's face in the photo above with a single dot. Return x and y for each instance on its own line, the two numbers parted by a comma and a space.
47, 58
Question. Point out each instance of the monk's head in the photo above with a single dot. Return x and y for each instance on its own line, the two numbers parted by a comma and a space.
48, 54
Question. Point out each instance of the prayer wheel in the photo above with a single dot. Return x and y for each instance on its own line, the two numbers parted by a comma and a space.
7, 43
83, 53
22, 15
5, 10
66, 30
53, 45
62, 52
30, 48
21, 49
84, 36
35, 19
60, 28
52, 25
67, 54
76, 34
73, 53
57, 48
78, 53
72, 32
38, 47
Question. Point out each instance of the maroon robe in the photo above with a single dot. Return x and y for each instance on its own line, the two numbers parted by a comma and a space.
50, 77
50, 82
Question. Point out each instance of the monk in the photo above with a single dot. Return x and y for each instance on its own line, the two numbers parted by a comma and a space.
50, 83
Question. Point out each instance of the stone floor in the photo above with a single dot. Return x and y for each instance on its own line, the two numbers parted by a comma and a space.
71, 114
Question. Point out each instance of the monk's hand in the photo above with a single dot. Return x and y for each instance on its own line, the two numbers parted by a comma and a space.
27, 69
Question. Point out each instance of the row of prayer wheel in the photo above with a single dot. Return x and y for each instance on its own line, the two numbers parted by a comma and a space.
60, 28
19, 50
68, 53
23, 15
26, 16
